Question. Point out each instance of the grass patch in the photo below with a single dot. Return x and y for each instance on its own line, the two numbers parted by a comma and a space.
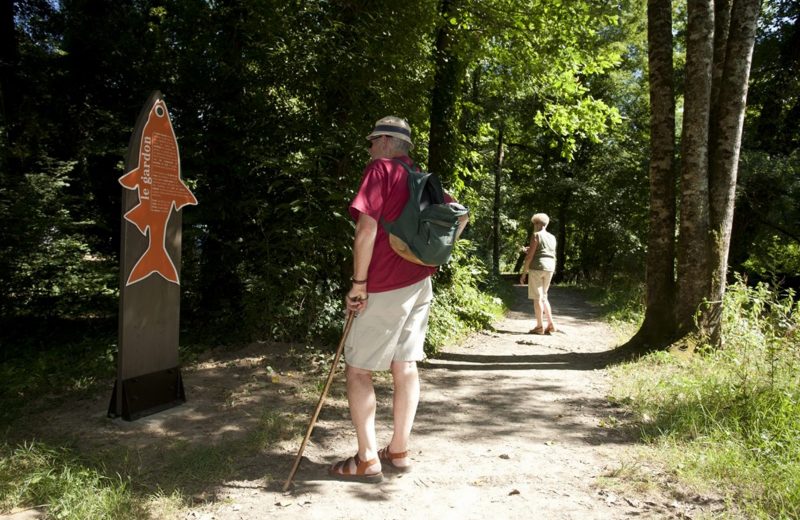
729, 417
36, 475
152, 482
622, 302
36, 377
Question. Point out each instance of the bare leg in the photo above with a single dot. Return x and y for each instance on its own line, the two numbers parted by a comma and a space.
548, 314
406, 398
361, 396
537, 310
546, 303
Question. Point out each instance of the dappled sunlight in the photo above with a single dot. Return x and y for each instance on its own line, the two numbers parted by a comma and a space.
492, 409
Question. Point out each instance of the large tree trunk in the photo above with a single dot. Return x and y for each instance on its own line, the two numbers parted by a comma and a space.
719, 53
447, 78
726, 140
658, 326
693, 250
496, 207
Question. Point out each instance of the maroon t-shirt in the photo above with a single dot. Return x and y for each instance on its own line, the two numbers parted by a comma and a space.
382, 195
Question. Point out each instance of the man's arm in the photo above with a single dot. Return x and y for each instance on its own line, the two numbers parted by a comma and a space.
364, 243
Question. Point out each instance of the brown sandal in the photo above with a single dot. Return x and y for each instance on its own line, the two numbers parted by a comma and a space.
550, 329
387, 459
341, 470
536, 330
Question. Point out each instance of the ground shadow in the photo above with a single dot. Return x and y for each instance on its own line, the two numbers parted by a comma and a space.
567, 361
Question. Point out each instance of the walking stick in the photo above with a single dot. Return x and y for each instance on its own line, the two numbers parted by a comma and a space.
348, 323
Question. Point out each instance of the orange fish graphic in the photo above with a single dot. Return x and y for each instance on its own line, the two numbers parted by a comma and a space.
157, 177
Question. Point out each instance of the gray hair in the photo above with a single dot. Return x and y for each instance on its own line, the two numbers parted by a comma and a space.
541, 218
399, 145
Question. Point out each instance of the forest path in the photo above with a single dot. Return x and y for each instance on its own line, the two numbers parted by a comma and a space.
510, 425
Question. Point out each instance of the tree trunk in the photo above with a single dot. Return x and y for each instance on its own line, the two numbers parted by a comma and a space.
658, 327
693, 243
443, 123
496, 207
563, 238
725, 145
722, 22
9, 84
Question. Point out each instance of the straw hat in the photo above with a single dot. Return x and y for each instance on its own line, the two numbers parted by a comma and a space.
394, 127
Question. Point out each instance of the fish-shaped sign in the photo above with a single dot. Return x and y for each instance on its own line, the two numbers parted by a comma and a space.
160, 189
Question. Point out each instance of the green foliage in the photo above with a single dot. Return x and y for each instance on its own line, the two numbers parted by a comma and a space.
622, 300
36, 474
766, 243
271, 102
732, 414
460, 307
36, 376
49, 269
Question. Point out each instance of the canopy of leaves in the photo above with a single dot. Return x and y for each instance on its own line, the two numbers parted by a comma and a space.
271, 101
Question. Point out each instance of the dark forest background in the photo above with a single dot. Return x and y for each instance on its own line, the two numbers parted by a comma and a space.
521, 106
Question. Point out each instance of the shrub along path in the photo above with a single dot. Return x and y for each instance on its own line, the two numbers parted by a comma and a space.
510, 425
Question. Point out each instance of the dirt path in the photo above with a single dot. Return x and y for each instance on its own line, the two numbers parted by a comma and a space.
509, 426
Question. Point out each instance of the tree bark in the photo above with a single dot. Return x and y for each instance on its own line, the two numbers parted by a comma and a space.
725, 146
562, 236
693, 244
9, 67
722, 21
498, 172
658, 327
443, 120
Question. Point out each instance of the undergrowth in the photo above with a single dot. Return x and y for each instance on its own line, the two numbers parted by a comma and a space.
463, 301
55, 479
729, 416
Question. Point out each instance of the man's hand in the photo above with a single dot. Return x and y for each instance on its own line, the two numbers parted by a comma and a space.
522, 278
356, 299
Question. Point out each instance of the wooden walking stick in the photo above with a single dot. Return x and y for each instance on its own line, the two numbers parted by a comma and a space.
348, 323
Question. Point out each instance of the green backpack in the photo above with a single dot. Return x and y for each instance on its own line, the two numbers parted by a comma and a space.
425, 231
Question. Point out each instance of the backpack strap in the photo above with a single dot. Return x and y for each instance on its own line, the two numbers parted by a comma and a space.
434, 193
408, 168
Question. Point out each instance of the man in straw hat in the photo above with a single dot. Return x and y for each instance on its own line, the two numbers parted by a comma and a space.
391, 297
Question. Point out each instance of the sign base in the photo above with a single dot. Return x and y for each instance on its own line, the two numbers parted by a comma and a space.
147, 394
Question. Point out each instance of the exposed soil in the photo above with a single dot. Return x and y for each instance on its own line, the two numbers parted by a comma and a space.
510, 425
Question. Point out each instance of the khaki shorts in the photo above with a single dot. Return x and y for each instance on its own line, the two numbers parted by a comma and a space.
391, 328
538, 284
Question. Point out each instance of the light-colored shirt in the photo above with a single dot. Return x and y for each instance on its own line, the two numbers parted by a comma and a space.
544, 258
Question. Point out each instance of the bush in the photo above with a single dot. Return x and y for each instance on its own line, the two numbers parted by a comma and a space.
460, 304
